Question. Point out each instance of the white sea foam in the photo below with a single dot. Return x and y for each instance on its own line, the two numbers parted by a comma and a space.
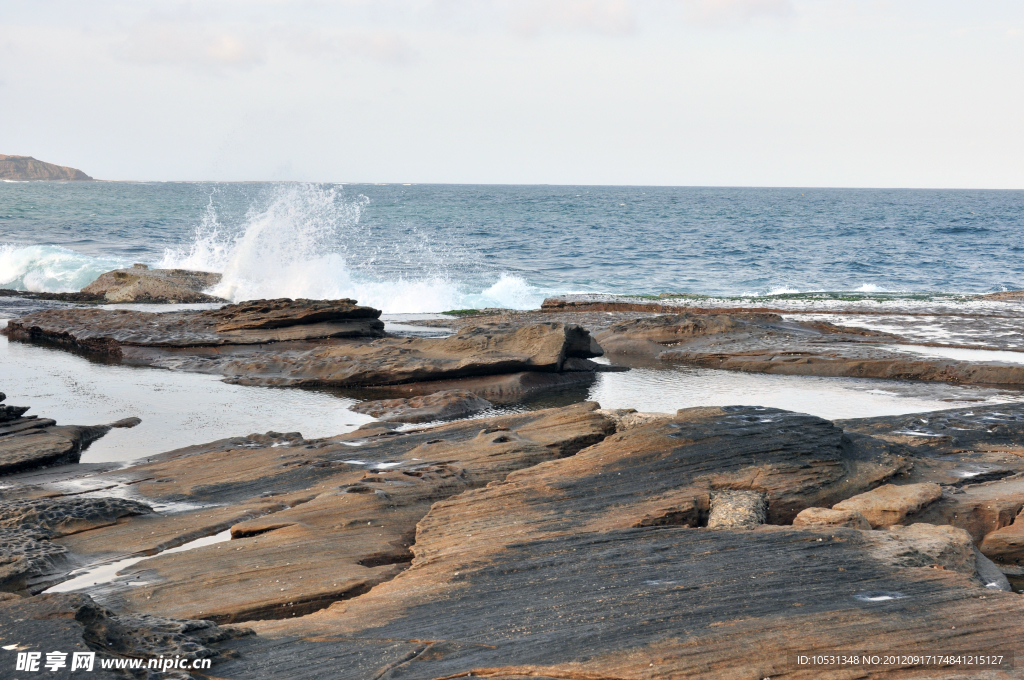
50, 269
870, 288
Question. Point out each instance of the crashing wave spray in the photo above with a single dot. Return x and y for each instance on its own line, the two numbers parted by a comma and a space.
50, 269
299, 246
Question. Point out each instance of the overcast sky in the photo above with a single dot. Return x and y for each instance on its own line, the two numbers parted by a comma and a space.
878, 93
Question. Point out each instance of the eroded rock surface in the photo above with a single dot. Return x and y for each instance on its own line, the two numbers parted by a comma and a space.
55, 517
598, 565
315, 343
142, 284
572, 543
827, 517
312, 522
437, 406
74, 623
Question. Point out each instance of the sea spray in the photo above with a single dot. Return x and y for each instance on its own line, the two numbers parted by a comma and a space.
50, 269
304, 244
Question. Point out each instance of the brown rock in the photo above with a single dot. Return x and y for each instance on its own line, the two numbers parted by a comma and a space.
554, 573
284, 312
1006, 545
29, 443
474, 351
890, 504
498, 389
141, 284
344, 519
825, 517
110, 331
437, 406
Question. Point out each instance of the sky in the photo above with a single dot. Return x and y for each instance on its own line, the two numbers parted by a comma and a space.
841, 93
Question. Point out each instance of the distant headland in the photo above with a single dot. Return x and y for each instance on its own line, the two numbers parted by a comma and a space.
24, 168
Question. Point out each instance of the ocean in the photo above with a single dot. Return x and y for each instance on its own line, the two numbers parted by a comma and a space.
430, 248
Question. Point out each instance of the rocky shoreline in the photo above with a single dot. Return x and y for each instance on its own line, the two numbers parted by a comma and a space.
568, 542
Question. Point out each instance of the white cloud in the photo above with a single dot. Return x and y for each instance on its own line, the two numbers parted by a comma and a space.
383, 46
189, 43
609, 17
731, 12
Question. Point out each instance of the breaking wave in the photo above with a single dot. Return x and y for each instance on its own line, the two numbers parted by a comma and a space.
308, 243
50, 269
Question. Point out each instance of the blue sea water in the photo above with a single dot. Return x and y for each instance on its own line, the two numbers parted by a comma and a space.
426, 248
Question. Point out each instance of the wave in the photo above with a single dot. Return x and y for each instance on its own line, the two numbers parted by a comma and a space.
50, 269
300, 246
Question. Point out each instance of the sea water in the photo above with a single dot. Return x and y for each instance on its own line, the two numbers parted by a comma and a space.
430, 248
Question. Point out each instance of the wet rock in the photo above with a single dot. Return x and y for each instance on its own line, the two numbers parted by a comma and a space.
628, 418
285, 312
110, 332
497, 389
53, 517
651, 335
826, 517
438, 406
324, 343
478, 351
75, 623
28, 442
768, 343
890, 504
990, 574
344, 519
33, 444
737, 509
142, 284
26, 555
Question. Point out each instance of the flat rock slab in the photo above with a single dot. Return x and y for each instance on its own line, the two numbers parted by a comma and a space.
768, 343
890, 504
437, 406
142, 284
30, 443
317, 343
475, 351
259, 321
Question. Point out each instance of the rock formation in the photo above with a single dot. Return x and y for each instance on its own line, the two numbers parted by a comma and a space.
768, 343
142, 284
74, 623
249, 323
325, 343
437, 406
28, 442
563, 543
26, 168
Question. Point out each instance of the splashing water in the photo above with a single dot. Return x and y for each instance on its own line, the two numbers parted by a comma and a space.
299, 247
50, 269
